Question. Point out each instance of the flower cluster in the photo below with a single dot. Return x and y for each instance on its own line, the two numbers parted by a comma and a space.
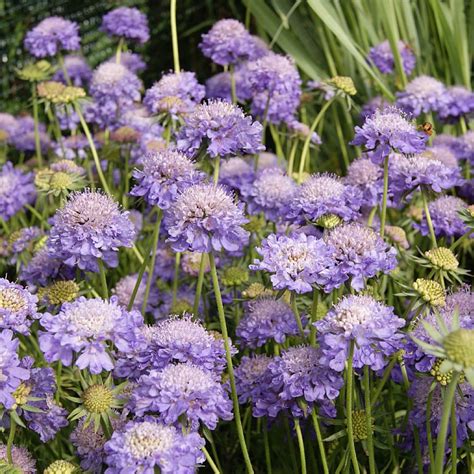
382, 56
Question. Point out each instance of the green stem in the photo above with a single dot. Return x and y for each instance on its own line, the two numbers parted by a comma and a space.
368, 413
63, 68
314, 317
299, 437
216, 170
291, 160
294, 307
233, 89
197, 296
349, 405
322, 450
371, 216
230, 367
268, 458
419, 458
454, 441
126, 178
383, 216
428, 219
36, 124
382, 383
177, 259
209, 459
11, 437
174, 36
118, 53
103, 279
429, 436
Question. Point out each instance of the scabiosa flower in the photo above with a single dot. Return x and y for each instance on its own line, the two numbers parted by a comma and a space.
359, 253
164, 175
368, 178
132, 61
183, 389
301, 130
17, 189
222, 128
205, 217
444, 215
369, 109
266, 319
83, 328
373, 326
269, 193
17, 307
466, 146
382, 56
79, 72
236, 172
24, 137
124, 288
422, 95
148, 445
90, 226
322, 195
219, 86
8, 124
389, 130
23, 239
175, 94
459, 103
295, 262
128, 23
22, 459
52, 35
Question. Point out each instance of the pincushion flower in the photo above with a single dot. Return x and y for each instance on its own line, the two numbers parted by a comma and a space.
24, 137
389, 130
368, 178
8, 125
51, 36
23, 240
79, 72
205, 217
124, 289
374, 328
183, 389
148, 445
132, 61
370, 107
295, 262
219, 86
466, 147
89, 227
164, 175
459, 103
18, 307
127, 23
82, 329
175, 94
23, 461
382, 56
222, 128
236, 173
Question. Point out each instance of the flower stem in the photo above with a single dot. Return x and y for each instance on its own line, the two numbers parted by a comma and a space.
216, 170
177, 259
230, 367
11, 437
291, 160
36, 124
209, 459
232, 84
429, 437
383, 216
268, 458
428, 219
368, 413
118, 53
382, 383
103, 279
314, 317
349, 404
294, 307
197, 296
174, 36
454, 445
63, 68
299, 437
319, 438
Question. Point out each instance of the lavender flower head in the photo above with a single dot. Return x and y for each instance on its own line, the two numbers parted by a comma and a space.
89, 446
51, 36
466, 147
460, 103
222, 128
17, 307
164, 175
324, 194
183, 389
148, 445
24, 137
17, 189
176, 94
124, 289
266, 319
22, 240
382, 56
359, 253
205, 217
132, 61
128, 23
269, 193
8, 124
23, 461
83, 328
79, 72
236, 173
369, 108
389, 130
295, 262
89, 227
219, 86
422, 95
368, 178
373, 327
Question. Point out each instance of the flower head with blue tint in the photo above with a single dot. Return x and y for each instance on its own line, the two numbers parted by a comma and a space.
302, 131
144, 446
124, 289
183, 390
389, 130
219, 86
236, 173
295, 262
368, 178
78, 71
8, 124
459, 103
382, 56
51, 36
466, 146
205, 217
23, 240
89, 227
163, 176
373, 327
175, 94
82, 329
423, 94
127, 23
370, 107
22, 459
24, 137
222, 129
132, 61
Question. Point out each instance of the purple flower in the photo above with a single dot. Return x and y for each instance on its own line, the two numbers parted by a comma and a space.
228, 42
17, 189
422, 95
83, 328
444, 215
147, 446
51, 36
23, 239
79, 72
22, 459
124, 288
8, 124
460, 103
301, 130
366, 176
184, 302
295, 262
219, 86
369, 109
359, 253
466, 147
132, 61
266, 319
236, 173
389, 130
382, 56
374, 328
205, 217
269, 193
17, 307
324, 194
164, 176
183, 389
11, 373
222, 128
175, 94
128, 23
89, 227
